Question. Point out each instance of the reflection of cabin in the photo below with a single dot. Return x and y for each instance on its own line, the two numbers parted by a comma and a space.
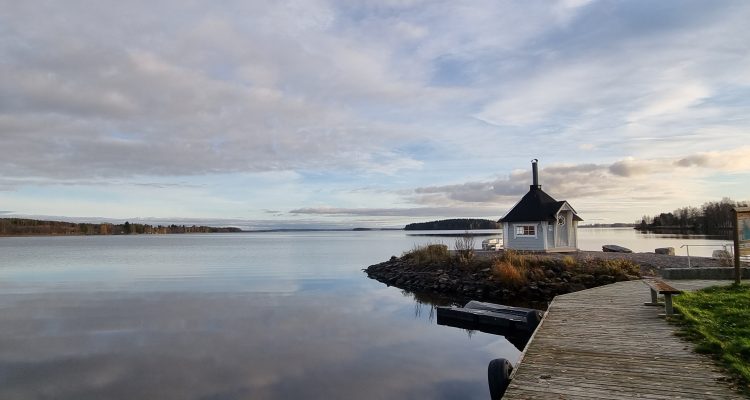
539, 222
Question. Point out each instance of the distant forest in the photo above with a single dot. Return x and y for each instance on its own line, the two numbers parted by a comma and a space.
453, 225
32, 227
712, 218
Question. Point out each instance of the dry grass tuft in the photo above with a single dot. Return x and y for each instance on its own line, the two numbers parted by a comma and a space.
509, 274
535, 274
617, 267
431, 254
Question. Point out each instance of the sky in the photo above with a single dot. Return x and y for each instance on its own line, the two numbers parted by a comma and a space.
337, 113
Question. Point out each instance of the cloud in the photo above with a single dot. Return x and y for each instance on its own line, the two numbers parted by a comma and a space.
215, 98
395, 94
735, 160
623, 178
256, 86
632, 167
673, 100
398, 212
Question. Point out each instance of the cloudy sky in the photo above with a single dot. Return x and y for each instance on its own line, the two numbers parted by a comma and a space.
369, 113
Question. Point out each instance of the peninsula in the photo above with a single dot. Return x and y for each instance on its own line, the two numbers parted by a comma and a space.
455, 224
33, 227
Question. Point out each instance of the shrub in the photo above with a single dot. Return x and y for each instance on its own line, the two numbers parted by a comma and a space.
430, 254
617, 267
509, 274
726, 259
465, 249
569, 262
513, 258
535, 274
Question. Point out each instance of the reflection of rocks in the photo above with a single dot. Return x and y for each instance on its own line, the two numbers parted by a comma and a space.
721, 254
462, 285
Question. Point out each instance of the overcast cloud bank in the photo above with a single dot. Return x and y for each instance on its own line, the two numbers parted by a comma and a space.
392, 110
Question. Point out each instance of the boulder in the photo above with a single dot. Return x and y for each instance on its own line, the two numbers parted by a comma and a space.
665, 250
613, 248
721, 254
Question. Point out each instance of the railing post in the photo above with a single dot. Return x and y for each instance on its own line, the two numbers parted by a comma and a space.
668, 309
736, 237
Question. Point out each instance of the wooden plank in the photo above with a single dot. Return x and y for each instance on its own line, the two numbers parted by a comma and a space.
661, 286
602, 343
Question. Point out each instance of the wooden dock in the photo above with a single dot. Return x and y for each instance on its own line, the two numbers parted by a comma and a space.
603, 343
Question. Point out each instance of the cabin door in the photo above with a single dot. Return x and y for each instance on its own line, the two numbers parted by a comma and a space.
563, 230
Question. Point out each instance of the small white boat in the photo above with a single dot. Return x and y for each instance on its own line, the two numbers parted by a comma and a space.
492, 243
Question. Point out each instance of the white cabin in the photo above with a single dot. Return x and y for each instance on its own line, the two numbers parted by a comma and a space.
540, 223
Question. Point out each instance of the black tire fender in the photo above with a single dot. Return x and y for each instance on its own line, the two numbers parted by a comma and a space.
532, 320
498, 377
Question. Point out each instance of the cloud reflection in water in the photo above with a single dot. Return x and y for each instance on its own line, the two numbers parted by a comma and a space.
239, 345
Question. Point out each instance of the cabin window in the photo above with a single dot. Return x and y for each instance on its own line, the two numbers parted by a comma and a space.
526, 230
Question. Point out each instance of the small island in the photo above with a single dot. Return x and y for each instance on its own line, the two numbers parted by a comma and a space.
455, 224
504, 276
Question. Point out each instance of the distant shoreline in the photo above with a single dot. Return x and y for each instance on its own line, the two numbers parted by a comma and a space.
24, 227
32, 227
320, 230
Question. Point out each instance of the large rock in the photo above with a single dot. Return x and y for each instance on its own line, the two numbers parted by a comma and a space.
665, 250
721, 254
613, 248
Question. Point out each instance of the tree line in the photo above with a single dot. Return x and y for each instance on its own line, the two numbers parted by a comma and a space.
712, 218
453, 225
33, 227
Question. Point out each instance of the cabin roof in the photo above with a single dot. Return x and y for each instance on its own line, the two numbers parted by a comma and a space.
536, 205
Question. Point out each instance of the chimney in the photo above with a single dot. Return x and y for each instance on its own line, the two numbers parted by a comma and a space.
535, 174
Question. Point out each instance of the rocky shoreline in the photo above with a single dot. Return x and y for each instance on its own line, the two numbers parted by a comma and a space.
463, 284
459, 283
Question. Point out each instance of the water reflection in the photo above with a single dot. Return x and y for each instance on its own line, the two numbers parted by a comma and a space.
678, 234
428, 303
118, 345
251, 316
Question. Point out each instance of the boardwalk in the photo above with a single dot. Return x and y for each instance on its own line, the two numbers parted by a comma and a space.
603, 343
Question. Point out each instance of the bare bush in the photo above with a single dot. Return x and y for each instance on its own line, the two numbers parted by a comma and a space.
465, 248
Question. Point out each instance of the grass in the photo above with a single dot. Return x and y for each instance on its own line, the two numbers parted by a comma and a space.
509, 274
617, 267
515, 269
717, 319
431, 254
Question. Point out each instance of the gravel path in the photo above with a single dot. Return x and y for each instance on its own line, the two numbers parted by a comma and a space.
647, 261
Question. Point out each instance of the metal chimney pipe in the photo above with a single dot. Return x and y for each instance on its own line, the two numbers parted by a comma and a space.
535, 174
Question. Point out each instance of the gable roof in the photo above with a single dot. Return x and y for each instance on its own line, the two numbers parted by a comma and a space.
536, 206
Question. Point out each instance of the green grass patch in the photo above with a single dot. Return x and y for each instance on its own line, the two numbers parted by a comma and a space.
717, 319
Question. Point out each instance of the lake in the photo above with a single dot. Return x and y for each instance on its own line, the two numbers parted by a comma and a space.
237, 316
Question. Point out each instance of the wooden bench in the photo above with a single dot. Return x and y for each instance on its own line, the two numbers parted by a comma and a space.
660, 287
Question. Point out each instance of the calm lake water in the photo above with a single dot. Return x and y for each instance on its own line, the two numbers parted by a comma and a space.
235, 316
